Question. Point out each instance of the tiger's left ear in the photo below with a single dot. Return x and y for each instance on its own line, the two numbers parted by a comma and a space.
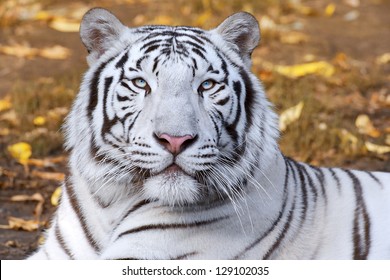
242, 30
99, 30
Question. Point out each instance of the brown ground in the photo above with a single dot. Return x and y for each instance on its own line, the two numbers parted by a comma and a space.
360, 86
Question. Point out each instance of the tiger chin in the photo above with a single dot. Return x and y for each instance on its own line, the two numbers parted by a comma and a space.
174, 155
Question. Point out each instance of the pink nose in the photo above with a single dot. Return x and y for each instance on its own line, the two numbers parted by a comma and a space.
175, 144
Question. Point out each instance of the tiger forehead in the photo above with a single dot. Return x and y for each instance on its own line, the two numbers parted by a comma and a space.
171, 40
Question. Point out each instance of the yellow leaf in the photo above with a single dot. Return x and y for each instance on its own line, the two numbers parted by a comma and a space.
39, 121
56, 176
348, 140
379, 149
65, 25
293, 38
20, 151
322, 68
4, 131
28, 225
330, 9
383, 59
55, 197
19, 51
290, 115
365, 126
5, 104
56, 52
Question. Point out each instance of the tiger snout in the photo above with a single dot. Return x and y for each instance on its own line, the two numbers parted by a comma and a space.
175, 144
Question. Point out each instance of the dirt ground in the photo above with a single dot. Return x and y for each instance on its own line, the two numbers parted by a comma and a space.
363, 37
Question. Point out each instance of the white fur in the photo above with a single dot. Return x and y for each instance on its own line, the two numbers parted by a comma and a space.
217, 216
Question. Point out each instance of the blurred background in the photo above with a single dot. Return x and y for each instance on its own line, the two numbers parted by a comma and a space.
325, 66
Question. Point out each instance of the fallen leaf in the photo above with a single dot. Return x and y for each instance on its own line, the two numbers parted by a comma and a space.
365, 126
55, 197
383, 59
28, 225
348, 140
5, 104
321, 68
20, 51
352, 3
20, 151
35, 197
47, 162
293, 38
64, 24
10, 117
55, 52
39, 120
4, 131
23, 197
352, 15
379, 149
290, 115
330, 9
56, 176
387, 140
341, 60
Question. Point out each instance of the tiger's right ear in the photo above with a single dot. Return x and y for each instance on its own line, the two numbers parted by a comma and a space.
99, 29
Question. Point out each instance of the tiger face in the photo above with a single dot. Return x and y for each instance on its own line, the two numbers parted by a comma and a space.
168, 110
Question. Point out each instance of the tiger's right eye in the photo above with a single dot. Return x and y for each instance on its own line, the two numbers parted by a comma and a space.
206, 85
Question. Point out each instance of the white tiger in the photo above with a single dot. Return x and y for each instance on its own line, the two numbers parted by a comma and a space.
174, 155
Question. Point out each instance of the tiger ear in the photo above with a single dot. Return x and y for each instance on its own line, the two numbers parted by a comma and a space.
242, 30
99, 29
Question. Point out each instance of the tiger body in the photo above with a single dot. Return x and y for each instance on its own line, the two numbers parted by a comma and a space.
174, 155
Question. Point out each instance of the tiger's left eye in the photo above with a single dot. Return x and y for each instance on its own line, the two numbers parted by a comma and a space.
207, 85
139, 82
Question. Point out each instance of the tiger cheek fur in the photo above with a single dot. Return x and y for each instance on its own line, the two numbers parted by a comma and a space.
174, 155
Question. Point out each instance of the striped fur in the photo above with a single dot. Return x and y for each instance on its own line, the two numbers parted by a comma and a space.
228, 193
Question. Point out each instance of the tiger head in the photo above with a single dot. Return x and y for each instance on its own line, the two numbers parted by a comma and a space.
173, 113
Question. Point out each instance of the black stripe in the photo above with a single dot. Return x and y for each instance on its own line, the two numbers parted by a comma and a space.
285, 227
278, 218
313, 188
232, 128
304, 193
249, 103
77, 210
170, 226
107, 123
222, 87
122, 61
199, 53
134, 208
94, 88
61, 241
336, 178
321, 179
184, 256
151, 48
361, 222
374, 177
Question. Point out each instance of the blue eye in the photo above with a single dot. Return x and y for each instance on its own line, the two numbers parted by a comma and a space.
139, 82
207, 85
